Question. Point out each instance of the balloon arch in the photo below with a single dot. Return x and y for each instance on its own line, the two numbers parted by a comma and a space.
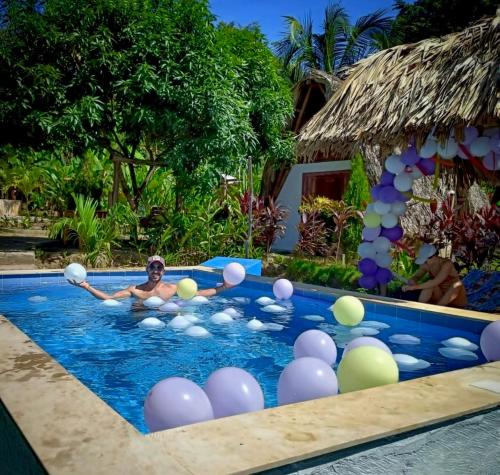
389, 197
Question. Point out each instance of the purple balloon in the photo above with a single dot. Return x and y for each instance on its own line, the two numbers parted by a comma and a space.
388, 194
370, 234
367, 266
175, 402
233, 391
427, 166
387, 178
383, 275
490, 341
410, 156
304, 379
316, 344
367, 281
393, 234
366, 341
375, 192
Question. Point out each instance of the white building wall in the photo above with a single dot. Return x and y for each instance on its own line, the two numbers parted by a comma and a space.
291, 195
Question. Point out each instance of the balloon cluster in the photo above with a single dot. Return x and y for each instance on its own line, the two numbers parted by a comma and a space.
389, 197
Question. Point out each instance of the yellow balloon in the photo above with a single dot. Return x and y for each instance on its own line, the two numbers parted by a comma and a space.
348, 310
372, 220
366, 367
187, 289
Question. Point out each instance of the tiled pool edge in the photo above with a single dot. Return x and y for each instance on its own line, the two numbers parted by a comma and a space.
70, 428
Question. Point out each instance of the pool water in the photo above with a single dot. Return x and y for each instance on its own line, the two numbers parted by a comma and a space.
118, 360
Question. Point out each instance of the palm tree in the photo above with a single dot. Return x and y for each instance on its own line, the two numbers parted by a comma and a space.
339, 45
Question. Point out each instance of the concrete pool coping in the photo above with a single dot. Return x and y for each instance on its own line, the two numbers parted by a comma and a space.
71, 430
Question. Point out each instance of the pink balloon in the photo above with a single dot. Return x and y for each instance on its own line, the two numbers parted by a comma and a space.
175, 402
366, 341
233, 391
283, 289
317, 344
304, 379
490, 341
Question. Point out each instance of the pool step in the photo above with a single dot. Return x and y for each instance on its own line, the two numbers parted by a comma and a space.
17, 260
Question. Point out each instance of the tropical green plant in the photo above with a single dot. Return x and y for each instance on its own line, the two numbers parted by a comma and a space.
95, 236
339, 44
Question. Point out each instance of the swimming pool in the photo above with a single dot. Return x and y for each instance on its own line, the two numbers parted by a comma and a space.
119, 361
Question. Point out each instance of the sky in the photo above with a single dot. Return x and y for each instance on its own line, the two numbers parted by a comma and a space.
269, 13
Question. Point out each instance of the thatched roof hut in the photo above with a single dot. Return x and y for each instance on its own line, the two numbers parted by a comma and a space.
436, 85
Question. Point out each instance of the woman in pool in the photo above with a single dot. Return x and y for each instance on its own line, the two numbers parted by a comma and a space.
444, 287
154, 287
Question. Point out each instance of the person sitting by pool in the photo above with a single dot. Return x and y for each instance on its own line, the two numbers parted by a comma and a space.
154, 287
444, 287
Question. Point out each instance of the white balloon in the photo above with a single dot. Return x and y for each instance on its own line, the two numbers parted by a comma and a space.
265, 301
151, 323
274, 309
197, 332
283, 289
169, 307
389, 220
232, 312
403, 181
457, 354
428, 149
154, 302
382, 244
383, 260
234, 273
221, 318
37, 298
381, 207
179, 322
448, 150
242, 300
192, 318
398, 208
75, 272
404, 339
366, 249
459, 342
198, 300
364, 331
394, 164
480, 147
111, 303
375, 324
255, 324
314, 318
409, 363
275, 327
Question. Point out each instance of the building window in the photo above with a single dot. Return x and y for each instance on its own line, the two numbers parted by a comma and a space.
328, 184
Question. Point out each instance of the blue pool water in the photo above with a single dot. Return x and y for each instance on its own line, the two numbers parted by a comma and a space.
106, 349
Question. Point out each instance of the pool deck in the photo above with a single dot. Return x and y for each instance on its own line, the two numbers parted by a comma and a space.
72, 430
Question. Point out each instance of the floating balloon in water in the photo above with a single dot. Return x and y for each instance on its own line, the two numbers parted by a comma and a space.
314, 318
448, 150
187, 288
375, 324
304, 379
366, 367
404, 339
275, 327
192, 318
366, 249
490, 341
428, 149
179, 323
394, 164
480, 147
151, 323
241, 300
274, 309
111, 303
364, 331
154, 302
370, 234
75, 272
255, 324
234, 273
458, 354
175, 402
37, 298
459, 342
265, 301
221, 318
199, 300
232, 312
197, 332
366, 341
371, 220
316, 344
367, 266
403, 182
233, 391
348, 310
282, 289
409, 363
171, 307
381, 207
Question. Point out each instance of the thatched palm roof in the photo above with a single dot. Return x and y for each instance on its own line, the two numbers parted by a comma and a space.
405, 91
